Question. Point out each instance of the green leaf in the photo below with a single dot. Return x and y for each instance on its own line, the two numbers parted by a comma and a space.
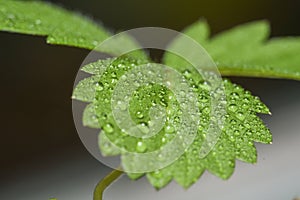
60, 26
89, 118
242, 126
107, 148
98, 67
86, 88
245, 50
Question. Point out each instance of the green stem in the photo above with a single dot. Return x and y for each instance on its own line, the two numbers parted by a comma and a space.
105, 182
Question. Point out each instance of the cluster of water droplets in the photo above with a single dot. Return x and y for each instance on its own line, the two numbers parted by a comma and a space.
147, 110
139, 113
156, 118
241, 129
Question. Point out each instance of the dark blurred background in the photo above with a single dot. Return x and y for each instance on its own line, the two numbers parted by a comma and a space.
37, 131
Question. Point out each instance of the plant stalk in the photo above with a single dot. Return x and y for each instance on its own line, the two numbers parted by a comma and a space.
105, 182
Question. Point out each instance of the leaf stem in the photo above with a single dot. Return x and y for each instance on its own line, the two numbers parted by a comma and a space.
105, 182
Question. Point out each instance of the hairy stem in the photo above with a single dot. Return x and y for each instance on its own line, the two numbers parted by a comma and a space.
105, 182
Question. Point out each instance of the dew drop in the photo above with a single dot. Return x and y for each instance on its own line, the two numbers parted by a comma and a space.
169, 129
248, 133
240, 116
144, 128
206, 110
114, 81
103, 116
245, 106
99, 86
187, 73
141, 147
236, 132
195, 88
231, 138
139, 114
235, 95
232, 107
114, 74
108, 128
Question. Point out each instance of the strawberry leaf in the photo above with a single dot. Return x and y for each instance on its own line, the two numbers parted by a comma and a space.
60, 26
242, 126
245, 50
